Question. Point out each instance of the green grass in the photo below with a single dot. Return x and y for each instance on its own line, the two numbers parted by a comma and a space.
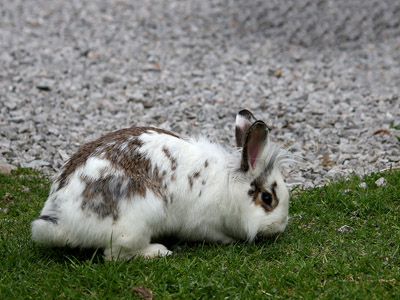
397, 127
312, 259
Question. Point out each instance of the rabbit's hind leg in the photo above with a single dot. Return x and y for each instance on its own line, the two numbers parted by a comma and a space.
117, 252
124, 245
127, 243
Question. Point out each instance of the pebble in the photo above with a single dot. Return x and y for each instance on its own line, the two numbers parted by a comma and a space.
363, 185
45, 85
381, 182
6, 168
37, 164
323, 91
345, 228
63, 154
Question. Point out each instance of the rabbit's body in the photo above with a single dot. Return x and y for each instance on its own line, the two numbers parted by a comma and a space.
131, 186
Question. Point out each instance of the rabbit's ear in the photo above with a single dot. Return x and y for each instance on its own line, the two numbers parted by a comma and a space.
244, 119
255, 141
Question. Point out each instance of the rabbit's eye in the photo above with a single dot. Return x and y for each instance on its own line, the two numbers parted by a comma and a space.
266, 198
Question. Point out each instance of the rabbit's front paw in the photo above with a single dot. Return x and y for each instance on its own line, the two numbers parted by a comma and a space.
154, 250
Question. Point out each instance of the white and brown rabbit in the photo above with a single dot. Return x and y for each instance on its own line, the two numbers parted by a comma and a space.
136, 184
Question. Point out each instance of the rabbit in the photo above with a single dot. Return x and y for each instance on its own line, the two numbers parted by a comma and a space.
128, 188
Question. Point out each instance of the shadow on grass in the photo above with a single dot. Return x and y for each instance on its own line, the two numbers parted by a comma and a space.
61, 255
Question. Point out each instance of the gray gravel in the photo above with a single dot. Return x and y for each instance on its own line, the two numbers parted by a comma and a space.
324, 75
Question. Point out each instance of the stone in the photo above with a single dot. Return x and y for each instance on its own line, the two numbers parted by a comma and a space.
345, 228
45, 84
381, 182
363, 185
6, 168
63, 154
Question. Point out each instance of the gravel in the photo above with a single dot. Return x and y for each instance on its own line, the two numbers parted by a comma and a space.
324, 75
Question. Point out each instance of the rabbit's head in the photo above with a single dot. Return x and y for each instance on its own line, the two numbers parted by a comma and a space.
259, 179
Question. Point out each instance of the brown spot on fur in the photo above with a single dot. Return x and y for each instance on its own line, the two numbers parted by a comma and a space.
256, 192
156, 184
200, 194
102, 195
275, 197
203, 182
206, 164
192, 177
171, 158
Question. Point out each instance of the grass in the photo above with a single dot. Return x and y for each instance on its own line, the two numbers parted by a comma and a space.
396, 127
312, 259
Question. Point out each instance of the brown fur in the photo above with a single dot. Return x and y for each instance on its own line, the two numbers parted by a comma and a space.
257, 189
192, 177
102, 195
98, 146
171, 158
99, 197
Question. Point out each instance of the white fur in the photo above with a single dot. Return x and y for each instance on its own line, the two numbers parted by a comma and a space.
241, 121
215, 208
